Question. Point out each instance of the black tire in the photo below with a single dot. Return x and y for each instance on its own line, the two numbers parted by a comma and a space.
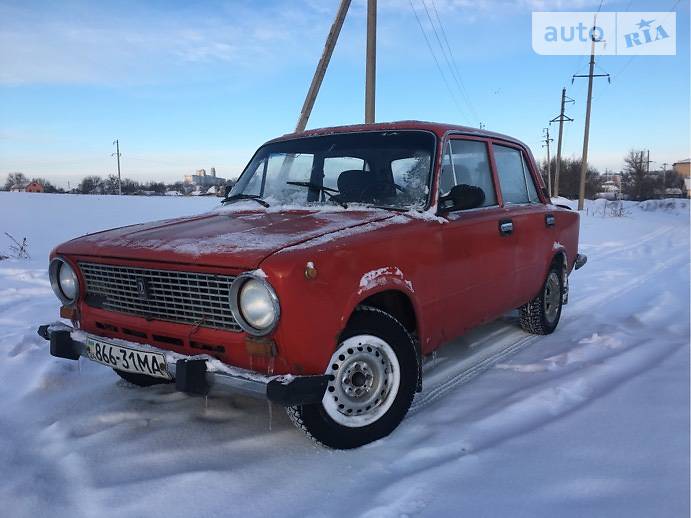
141, 380
541, 315
314, 420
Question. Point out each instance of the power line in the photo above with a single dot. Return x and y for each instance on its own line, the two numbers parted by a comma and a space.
436, 61
579, 66
633, 56
457, 75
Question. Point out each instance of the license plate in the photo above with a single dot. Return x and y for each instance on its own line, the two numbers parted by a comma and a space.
126, 358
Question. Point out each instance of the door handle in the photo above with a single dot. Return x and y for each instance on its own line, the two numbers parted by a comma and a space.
505, 227
550, 220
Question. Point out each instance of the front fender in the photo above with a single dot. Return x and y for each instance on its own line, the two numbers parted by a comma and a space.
387, 278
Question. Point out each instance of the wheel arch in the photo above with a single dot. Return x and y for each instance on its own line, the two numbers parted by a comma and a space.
559, 258
401, 306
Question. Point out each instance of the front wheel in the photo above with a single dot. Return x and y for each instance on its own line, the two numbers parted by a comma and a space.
541, 315
374, 373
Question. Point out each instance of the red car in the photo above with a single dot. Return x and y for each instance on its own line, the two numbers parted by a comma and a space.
339, 260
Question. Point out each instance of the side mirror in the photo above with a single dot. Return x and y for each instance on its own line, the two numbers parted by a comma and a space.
229, 187
462, 197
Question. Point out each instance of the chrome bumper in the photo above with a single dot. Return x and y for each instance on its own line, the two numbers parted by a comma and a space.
193, 375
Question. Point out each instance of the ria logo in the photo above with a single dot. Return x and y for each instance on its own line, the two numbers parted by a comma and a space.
623, 33
142, 288
646, 33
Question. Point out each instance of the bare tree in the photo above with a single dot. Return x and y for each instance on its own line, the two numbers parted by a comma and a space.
637, 183
90, 184
569, 178
14, 179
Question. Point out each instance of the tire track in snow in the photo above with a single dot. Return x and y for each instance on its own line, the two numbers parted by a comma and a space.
635, 244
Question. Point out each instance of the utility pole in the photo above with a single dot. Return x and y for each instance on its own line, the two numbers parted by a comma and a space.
371, 68
547, 140
323, 64
117, 154
586, 132
647, 163
561, 118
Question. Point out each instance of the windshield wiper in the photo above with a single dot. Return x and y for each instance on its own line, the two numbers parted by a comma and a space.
331, 193
389, 207
238, 197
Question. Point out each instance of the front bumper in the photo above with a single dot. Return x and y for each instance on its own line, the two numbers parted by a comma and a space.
581, 259
196, 375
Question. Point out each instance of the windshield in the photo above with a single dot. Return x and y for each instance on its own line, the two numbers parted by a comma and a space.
390, 169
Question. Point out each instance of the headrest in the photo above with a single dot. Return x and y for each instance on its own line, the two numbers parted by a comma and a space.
356, 185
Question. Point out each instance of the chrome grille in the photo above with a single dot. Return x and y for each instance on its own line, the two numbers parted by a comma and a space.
184, 297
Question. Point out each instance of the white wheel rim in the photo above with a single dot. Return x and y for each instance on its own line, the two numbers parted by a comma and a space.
365, 380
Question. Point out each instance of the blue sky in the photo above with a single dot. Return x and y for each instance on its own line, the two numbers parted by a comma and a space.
193, 84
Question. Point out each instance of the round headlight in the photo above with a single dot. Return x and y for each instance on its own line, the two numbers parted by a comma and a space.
67, 280
254, 304
64, 281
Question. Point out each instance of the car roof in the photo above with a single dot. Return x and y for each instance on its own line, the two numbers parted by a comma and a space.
437, 128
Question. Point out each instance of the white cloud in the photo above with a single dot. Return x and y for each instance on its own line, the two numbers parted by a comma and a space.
72, 42
81, 43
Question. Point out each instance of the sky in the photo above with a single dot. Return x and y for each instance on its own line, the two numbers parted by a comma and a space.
199, 84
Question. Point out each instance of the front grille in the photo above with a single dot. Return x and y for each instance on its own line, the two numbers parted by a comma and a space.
185, 297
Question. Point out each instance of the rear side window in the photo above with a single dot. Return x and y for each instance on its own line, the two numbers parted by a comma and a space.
466, 162
512, 175
532, 191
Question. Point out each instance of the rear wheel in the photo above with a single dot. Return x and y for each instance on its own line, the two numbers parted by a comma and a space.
374, 374
141, 380
541, 315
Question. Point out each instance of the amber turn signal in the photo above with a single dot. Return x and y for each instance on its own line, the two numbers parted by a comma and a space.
310, 271
260, 347
68, 313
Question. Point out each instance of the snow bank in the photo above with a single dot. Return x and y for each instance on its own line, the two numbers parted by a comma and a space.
590, 421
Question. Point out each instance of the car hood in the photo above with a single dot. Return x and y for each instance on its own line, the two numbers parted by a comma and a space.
226, 239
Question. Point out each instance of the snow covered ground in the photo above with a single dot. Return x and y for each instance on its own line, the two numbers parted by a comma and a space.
590, 421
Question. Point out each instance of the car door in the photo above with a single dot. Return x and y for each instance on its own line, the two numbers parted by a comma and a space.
532, 221
477, 243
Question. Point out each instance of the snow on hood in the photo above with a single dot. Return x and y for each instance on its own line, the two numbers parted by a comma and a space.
232, 239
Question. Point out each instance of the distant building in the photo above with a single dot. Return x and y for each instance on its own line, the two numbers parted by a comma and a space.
610, 190
201, 180
683, 169
27, 187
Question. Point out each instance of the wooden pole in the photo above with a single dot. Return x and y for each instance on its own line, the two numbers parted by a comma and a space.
586, 132
371, 68
547, 140
322, 65
562, 118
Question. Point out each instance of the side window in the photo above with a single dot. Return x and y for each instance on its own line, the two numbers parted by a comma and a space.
511, 174
466, 162
532, 191
412, 174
